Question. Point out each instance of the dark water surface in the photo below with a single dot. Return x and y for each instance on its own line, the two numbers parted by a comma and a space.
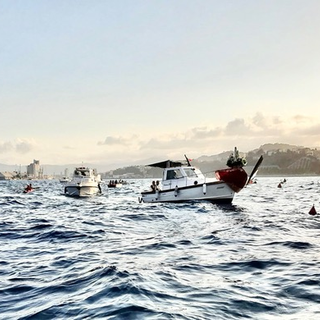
109, 257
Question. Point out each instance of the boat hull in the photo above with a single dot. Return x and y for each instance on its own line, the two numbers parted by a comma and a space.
81, 191
64, 181
216, 192
236, 178
118, 185
28, 191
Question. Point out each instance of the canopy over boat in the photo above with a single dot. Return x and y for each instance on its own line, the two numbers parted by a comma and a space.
166, 164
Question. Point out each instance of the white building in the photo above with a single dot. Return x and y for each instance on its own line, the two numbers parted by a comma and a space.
6, 175
34, 170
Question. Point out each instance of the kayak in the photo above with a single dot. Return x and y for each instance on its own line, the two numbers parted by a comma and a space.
27, 191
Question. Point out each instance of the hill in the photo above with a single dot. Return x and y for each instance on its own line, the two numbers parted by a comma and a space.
279, 158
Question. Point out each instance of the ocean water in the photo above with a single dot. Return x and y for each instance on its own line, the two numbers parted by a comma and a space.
110, 257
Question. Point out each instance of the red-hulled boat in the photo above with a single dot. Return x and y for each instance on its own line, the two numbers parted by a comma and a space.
182, 182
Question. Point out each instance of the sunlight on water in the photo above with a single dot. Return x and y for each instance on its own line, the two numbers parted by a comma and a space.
111, 257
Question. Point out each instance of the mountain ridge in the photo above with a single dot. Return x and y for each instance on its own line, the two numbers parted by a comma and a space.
49, 169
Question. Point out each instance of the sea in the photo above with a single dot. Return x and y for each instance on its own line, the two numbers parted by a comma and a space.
111, 257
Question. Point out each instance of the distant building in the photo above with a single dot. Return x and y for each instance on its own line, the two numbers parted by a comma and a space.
6, 175
34, 170
303, 163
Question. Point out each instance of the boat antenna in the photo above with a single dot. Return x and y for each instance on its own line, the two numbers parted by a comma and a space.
189, 165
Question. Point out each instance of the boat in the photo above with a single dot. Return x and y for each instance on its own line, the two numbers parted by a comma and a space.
84, 182
183, 182
28, 188
115, 184
64, 180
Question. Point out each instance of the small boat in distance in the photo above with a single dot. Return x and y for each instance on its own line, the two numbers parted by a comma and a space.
28, 188
64, 179
182, 182
115, 183
85, 182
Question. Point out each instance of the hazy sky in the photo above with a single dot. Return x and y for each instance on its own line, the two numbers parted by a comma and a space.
125, 80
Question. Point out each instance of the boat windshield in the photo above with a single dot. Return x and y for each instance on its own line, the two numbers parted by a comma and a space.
190, 172
174, 174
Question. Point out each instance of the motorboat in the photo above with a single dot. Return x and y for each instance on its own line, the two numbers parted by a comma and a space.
84, 182
183, 182
64, 180
115, 184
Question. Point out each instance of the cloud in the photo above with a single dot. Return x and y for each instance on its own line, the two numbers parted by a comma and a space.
311, 131
20, 146
120, 141
24, 147
6, 147
259, 120
300, 119
205, 133
237, 127
164, 144
247, 134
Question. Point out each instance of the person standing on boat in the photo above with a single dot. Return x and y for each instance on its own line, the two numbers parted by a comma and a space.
158, 185
153, 186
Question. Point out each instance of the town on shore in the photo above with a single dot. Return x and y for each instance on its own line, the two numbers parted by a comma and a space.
279, 159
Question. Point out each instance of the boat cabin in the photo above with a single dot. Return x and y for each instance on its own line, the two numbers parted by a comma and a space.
181, 177
86, 174
178, 174
82, 171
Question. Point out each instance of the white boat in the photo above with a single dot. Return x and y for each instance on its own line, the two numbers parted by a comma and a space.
64, 180
85, 182
183, 182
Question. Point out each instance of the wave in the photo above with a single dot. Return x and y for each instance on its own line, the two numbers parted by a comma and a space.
114, 258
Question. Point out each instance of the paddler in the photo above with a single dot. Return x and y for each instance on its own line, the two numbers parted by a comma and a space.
28, 187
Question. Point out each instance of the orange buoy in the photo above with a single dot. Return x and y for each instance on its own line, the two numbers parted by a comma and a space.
313, 211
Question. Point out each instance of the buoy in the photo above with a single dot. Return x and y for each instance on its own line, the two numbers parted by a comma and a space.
280, 185
313, 211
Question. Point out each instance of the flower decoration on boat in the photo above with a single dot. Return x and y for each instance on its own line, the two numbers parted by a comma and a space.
235, 160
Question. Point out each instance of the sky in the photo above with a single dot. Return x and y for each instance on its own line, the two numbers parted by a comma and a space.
128, 80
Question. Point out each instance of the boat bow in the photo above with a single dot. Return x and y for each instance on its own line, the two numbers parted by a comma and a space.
236, 178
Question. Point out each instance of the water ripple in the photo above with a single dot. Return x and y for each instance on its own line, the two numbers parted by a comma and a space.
111, 257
